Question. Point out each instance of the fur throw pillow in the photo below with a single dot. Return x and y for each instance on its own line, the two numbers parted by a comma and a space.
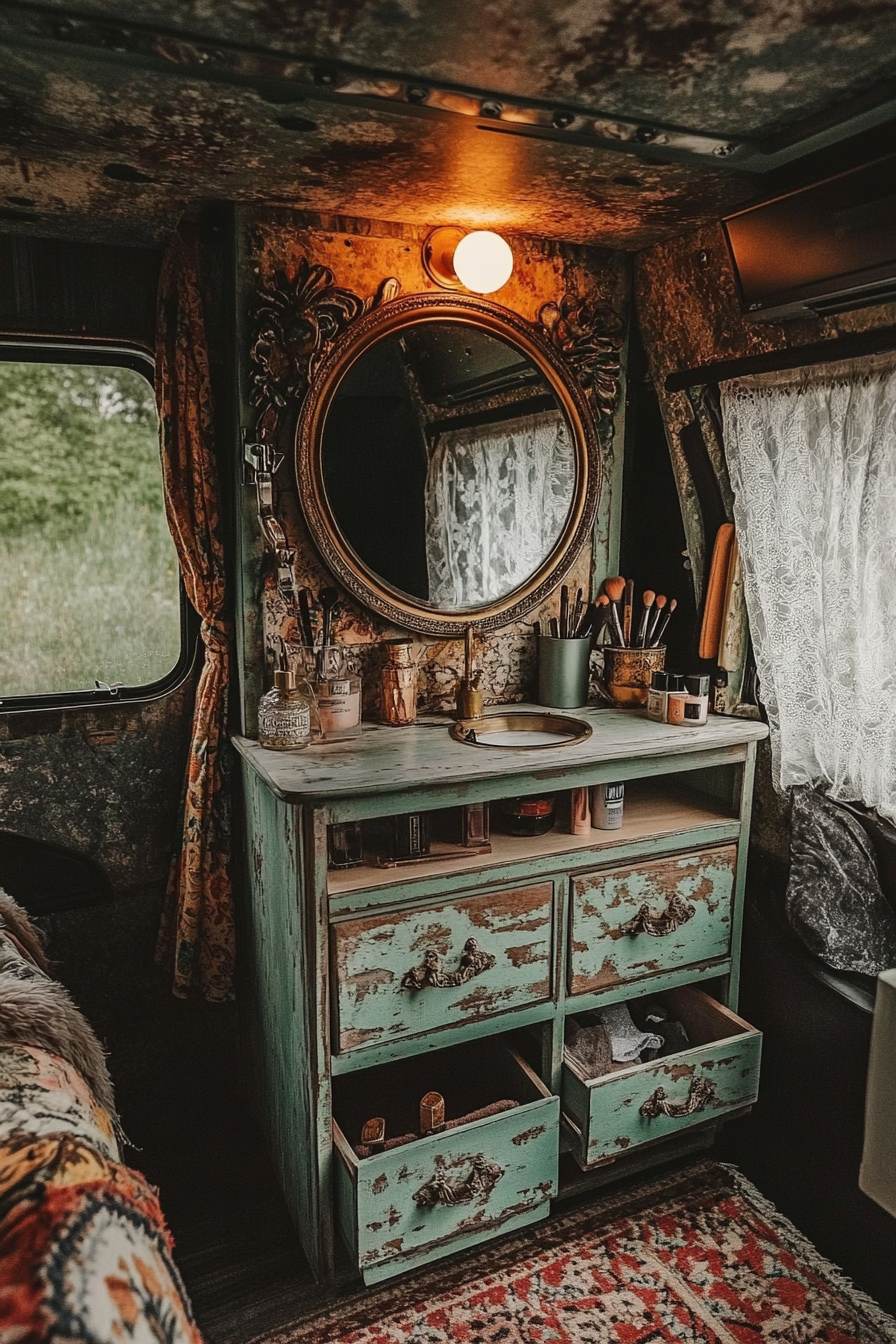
38, 1011
834, 902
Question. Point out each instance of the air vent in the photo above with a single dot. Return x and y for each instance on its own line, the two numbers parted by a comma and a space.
822, 249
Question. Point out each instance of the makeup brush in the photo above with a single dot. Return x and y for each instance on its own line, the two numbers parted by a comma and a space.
665, 621
564, 612
305, 618
576, 614
614, 589
649, 599
627, 612
328, 597
580, 630
601, 617
661, 601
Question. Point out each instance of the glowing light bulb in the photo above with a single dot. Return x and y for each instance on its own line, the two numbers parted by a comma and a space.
483, 261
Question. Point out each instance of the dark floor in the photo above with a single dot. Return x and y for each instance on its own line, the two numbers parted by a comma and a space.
176, 1068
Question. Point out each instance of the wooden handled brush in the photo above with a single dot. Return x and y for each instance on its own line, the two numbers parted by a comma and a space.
660, 603
627, 612
615, 590
655, 642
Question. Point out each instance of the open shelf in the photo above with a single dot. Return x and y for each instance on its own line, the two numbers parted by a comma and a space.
652, 809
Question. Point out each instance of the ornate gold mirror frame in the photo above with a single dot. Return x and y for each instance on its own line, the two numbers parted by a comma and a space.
308, 334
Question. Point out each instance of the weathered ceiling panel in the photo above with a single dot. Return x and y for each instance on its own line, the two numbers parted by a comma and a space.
737, 68
111, 124
91, 149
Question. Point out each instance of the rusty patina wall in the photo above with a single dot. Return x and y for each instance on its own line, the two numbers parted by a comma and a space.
63, 780
689, 315
361, 255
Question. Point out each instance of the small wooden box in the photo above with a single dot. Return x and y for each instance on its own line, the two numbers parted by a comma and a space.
497, 1173
608, 1116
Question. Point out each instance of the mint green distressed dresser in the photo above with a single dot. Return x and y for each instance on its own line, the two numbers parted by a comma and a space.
339, 1032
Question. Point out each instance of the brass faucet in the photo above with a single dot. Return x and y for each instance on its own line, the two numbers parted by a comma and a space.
469, 696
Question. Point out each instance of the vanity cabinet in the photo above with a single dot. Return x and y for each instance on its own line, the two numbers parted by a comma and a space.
344, 1022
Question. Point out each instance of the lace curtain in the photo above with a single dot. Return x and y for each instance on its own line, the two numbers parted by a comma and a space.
812, 457
497, 498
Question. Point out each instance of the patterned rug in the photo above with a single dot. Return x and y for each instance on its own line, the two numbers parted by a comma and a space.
698, 1256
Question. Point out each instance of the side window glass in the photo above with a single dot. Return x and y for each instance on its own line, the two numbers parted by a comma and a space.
89, 585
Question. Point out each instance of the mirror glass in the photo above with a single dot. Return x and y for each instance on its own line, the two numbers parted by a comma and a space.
448, 464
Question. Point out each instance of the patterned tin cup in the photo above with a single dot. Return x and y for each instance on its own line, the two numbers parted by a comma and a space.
627, 674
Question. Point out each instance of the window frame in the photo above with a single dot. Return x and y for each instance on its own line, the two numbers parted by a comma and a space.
16, 348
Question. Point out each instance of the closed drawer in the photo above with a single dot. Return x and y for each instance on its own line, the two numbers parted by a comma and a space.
440, 1193
640, 1103
647, 918
414, 971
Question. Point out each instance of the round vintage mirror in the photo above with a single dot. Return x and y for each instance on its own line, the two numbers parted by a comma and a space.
447, 463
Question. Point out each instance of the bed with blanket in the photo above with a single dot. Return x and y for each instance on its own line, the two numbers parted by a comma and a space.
84, 1251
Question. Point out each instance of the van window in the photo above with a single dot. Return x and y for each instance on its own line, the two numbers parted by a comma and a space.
89, 582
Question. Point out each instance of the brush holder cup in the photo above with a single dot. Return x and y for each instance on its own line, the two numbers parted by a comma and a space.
627, 674
563, 671
337, 688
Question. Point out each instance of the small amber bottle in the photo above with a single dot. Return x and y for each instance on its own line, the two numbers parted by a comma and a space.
284, 713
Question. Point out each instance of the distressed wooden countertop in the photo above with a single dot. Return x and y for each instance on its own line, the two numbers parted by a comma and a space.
423, 758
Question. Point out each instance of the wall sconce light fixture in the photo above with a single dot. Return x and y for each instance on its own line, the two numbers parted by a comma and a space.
480, 261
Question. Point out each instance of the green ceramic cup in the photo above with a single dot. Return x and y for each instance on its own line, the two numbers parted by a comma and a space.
563, 671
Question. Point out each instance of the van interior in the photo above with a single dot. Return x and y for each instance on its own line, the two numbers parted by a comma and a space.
698, 204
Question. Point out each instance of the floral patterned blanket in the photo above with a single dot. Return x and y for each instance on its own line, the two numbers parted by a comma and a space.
84, 1250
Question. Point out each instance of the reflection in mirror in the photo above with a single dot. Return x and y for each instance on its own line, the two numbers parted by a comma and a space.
448, 464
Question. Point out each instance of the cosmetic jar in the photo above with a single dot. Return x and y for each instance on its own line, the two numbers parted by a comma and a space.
689, 706
656, 696
525, 816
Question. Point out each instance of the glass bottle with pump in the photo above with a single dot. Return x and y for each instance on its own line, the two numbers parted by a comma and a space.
285, 712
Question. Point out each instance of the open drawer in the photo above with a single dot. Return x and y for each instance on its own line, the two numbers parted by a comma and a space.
452, 1189
640, 1103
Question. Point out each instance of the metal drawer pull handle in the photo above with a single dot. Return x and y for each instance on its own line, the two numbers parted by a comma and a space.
473, 961
676, 913
699, 1094
483, 1178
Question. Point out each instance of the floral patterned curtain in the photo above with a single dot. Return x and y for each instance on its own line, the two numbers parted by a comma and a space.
197, 922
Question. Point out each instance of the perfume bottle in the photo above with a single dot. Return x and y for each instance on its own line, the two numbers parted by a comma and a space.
285, 712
